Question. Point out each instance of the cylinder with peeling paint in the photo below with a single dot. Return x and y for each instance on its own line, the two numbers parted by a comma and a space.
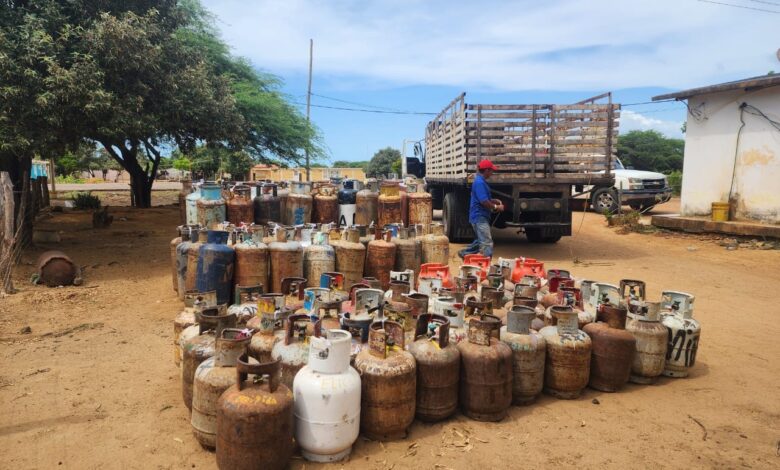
613, 349
252, 260
255, 420
191, 202
436, 246
420, 207
216, 262
389, 204
389, 383
55, 268
408, 254
189, 234
212, 377
347, 203
367, 202
293, 351
211, 206
326, 206
318, 258
683, 333
528, 353
299, 204
438, 368
651, 343
183, 320
268, 331
380, 258
485, 372
193, 255
286, 257
173, 246
567, 365
267, 204
327, 400
239, 207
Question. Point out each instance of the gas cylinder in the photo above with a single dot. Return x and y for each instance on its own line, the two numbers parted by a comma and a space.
239, 207
211, 206
327, 400
613, 349
567, 366
347, 204
255, 420
651, 343
268, 333
284, 194
366, 234
408, 253
632, 291
328, 315
418, 303
528, 352
367, 201
213, 376
326, 206
252, 260
380, 258
683, 333
173, 245
216, 261
286, 258
299, 204
318, 258
436, 246
191, 201
485, 372
420, 206
267, 205
197, 238
388, 204
438, 368
186, 319
389, 383
293, 351
211, 322
187, 233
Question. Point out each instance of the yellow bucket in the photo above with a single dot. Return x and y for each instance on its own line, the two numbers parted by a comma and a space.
720, 211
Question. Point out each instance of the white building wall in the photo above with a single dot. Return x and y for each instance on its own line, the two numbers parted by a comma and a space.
711, 148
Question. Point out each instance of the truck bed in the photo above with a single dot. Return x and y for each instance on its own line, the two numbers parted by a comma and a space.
530, 143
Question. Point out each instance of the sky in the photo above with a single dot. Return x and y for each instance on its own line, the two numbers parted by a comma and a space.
416, 56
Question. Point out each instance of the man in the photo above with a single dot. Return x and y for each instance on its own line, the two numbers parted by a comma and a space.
480, 208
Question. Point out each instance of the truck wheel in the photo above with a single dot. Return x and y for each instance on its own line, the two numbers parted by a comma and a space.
454, 218
604, 200
538, 235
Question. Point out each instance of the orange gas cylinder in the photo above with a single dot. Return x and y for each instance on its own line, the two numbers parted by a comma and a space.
527, 267
478, 260
441, 271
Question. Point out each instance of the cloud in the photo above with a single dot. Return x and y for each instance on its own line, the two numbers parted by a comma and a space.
630, 120
504, 45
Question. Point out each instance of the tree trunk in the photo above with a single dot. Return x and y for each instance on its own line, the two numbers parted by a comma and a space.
141, 188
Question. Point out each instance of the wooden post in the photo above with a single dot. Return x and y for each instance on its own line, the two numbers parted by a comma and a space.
308, 106
53, 177
7, 232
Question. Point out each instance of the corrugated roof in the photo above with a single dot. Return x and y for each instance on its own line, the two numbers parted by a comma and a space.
763, 81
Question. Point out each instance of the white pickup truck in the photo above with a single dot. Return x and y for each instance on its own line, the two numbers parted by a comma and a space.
639, 189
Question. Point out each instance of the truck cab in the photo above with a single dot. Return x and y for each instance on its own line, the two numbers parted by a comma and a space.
642, 190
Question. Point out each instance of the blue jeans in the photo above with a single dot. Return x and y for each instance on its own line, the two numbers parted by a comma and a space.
484, 242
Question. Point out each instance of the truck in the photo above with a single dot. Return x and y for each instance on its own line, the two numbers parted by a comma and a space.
542, 152
642, 190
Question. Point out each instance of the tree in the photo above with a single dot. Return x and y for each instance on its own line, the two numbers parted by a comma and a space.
650, 150
382, 162
347, 164
237, 164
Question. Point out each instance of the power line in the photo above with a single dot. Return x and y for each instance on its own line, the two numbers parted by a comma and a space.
740, 6
356, 103
365, 110
765, 2
646, 102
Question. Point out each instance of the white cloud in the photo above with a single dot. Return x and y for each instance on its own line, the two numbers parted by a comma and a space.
630, 120
507, 45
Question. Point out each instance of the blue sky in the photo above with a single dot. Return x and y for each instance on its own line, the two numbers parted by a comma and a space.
415, 55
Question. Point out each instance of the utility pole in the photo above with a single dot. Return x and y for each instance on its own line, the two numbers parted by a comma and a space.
308, 106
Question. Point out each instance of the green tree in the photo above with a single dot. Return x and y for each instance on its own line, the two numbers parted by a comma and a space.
650, 150
382, 162
347, 164
237, 164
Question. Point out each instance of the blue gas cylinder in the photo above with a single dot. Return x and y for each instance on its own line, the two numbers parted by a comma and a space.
215, 266
347, 204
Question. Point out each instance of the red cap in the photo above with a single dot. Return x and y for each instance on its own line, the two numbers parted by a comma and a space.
486, 165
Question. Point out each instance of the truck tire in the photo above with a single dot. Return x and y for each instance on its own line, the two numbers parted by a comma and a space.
604, 200
455, 219
540, 235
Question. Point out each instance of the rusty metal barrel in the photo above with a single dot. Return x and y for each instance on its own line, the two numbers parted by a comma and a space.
286, 257
420, 206
326, 205
613, 349
55, 268
252, 260
350, 257
438, 368
239, 207
380, 258
389, 204
436, 246
367, 201
299, 204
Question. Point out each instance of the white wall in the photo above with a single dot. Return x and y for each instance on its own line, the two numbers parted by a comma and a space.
711, 148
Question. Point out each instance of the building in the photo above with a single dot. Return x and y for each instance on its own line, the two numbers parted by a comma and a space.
274, 173
732, 148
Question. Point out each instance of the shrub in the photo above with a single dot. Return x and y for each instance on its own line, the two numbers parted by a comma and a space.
68, 179
85, 201
675, 181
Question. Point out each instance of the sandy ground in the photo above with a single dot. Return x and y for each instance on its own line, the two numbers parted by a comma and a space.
94, 384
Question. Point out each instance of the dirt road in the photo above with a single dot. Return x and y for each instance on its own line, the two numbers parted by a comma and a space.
94, 384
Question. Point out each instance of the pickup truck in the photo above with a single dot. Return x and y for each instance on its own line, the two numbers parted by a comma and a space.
641, 190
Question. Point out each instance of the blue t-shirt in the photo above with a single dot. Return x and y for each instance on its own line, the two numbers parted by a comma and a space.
480, 192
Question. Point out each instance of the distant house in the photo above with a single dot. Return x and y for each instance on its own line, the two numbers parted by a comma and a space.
732, 148
274, 173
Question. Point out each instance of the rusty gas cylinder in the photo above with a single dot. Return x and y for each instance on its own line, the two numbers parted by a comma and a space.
567, 366
211, 206
401, 313
372, 282
55, 268
267, 205
683, 333
438, 368
651, 343
185, 326
528, 352
475, 308
436, 246
213, 376
198, 238
211, 322
496, 299
420, 206
350, 256
173, 246
631, 292
389, 383
252, 260
485, 372
389, 204
293, 289
299, 204
367, 200
286, 257
318, 258
326, 206
186, 189
380, 258
418, 303
293, 351
255, 420
189, 234
184, 319
613, 349
239, 207
267, 333
329, 315
408, 253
